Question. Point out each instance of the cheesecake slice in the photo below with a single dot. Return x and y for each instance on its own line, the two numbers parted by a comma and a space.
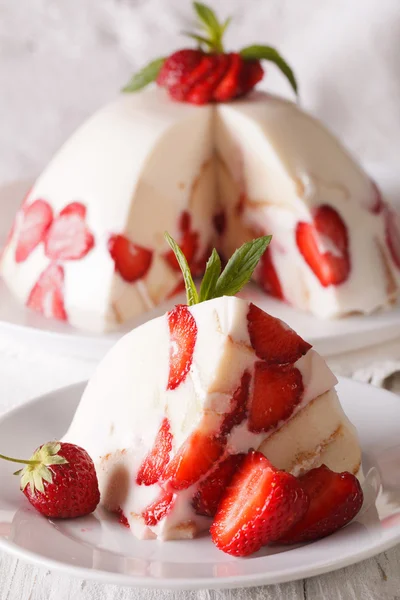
191, 392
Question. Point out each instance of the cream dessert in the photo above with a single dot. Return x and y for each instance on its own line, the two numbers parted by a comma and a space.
188, 394
87, 245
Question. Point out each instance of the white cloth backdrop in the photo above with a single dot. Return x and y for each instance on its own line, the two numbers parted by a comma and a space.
59, 61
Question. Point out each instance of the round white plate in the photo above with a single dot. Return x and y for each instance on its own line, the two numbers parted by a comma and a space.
98, 547
328, 337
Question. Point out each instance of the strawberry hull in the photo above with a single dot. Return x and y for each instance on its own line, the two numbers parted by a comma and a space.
155, 448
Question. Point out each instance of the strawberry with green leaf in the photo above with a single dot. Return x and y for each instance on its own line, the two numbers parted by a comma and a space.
59, 480
208, 73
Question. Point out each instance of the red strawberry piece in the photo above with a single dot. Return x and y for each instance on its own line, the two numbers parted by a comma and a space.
259, 506
199, 74
392, 225
178, 66
274, 341
219, 221
199, 265
189, 242
211, 489
331, 263
230, 85
180, 287
68, 238
37, 218
193, 460
238, 409
252, 73
159, 508
122, 518
47, 295
277, 391
185, 221
268, 277
63, 484
377, 204
132, 261
183, 335
202, 92
335, 499
154, 464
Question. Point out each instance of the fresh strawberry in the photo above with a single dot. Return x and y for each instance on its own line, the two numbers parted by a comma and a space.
208, 73
268, 277
259, 506
392, 228
230, 86
219, 221
277, 390
324, 245
159, 508
36, 220
188, 241
47, 295
211, 489
193, 460
59, 480
273, 340
203, 91
238, 408
132, 261
183, 335
154, 464
122, 518
68, 237
335, 499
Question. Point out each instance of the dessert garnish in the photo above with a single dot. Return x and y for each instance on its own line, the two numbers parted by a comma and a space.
59, 480
208, 73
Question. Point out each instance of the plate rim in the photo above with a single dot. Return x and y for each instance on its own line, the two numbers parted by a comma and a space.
226, 582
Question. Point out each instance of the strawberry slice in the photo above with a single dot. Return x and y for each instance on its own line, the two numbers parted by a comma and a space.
37, 218
178, 66
188, 241
273, 340
202, 92
335, 499
259, 506
211, 490
238, 409
68, 237
268, 277
392, 228
277, 391
180, 287
229, 87
158, 509
331, 264
219, 222
193, 460
46, 296
122, 518
205, 67
183, 335
251, 74
132, 261
153, 466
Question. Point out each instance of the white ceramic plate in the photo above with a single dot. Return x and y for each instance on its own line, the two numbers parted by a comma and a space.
328, 337
98, 547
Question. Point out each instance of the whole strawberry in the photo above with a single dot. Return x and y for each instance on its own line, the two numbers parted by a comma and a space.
60, 481
208, 73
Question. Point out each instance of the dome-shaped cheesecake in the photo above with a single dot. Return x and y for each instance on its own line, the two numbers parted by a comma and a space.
87, 245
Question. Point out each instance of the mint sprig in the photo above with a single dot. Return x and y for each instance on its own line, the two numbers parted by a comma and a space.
210, 24
259, 52
147, 75
233, 278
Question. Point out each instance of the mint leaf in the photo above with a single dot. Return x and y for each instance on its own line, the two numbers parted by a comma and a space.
191, 292
209, 22
200, 39
210, 278
258, 52
144, 76
240, 267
